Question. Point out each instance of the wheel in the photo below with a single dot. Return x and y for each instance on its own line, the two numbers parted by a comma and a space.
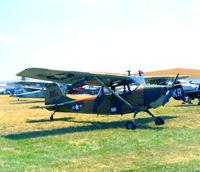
159, 121
131, 125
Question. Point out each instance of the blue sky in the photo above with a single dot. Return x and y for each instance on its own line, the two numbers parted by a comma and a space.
98, 35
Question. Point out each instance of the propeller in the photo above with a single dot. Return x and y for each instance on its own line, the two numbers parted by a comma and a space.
170, 91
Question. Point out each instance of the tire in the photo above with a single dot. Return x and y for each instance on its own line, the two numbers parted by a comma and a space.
159, 121
131, 125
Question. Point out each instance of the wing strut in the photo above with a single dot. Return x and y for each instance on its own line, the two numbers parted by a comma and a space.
116, 95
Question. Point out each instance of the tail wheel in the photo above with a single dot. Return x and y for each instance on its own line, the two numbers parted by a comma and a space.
159, 121
131, 125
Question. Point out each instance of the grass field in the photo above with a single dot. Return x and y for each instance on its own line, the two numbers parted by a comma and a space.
83, 142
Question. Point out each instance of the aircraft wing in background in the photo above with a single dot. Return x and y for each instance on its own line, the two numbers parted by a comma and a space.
159, 79
35, 83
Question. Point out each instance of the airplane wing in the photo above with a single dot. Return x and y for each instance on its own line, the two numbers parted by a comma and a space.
72, 77
35, 83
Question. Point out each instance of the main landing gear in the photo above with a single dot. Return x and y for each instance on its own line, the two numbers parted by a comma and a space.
51, 117
131, 124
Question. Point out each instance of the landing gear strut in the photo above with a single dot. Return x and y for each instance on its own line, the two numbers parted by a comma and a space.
158, 120
131, 124
51, 117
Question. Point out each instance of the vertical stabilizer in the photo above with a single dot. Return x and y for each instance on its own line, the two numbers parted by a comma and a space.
178, 93
141, 73
19, 90
54, 95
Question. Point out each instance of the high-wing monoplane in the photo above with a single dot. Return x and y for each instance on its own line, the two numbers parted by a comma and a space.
118, 94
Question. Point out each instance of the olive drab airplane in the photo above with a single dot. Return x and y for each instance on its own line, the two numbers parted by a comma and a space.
118, 94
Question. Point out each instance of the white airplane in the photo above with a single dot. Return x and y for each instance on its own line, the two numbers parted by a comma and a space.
20, 92
4, 92
187, 91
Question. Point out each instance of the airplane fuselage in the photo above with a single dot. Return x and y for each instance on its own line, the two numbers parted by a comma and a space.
142, 98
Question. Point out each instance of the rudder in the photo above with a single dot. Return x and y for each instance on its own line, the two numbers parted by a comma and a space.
178, 93
54, 95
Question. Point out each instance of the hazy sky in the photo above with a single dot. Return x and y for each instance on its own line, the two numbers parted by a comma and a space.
98, 35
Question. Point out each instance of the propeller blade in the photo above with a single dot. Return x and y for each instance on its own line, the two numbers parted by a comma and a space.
169, 93
167, 97
175, 80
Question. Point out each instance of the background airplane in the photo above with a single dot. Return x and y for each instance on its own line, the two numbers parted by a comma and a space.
7, 87
20, 92
125, 94
34, 88
187, 91
4, 92
86, 89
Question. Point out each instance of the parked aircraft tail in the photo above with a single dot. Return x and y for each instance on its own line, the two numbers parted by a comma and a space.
178, 93
54, 95
141, 73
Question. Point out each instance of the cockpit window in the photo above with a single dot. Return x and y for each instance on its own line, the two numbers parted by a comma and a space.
133, 86
121, 89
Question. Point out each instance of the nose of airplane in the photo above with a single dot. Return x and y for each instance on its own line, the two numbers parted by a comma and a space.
154, 95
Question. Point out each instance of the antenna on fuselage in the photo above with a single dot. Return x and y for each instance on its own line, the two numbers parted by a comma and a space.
129, 72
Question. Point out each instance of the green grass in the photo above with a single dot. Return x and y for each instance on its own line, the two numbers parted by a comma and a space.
83, 142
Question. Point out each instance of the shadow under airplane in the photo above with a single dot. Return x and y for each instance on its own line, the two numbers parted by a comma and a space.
94, 126
47, 120
184, 105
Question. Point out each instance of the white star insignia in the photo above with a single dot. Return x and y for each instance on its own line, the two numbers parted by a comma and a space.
76, 107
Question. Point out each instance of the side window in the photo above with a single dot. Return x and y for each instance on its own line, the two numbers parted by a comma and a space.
133, 86
125, 89
121, 89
